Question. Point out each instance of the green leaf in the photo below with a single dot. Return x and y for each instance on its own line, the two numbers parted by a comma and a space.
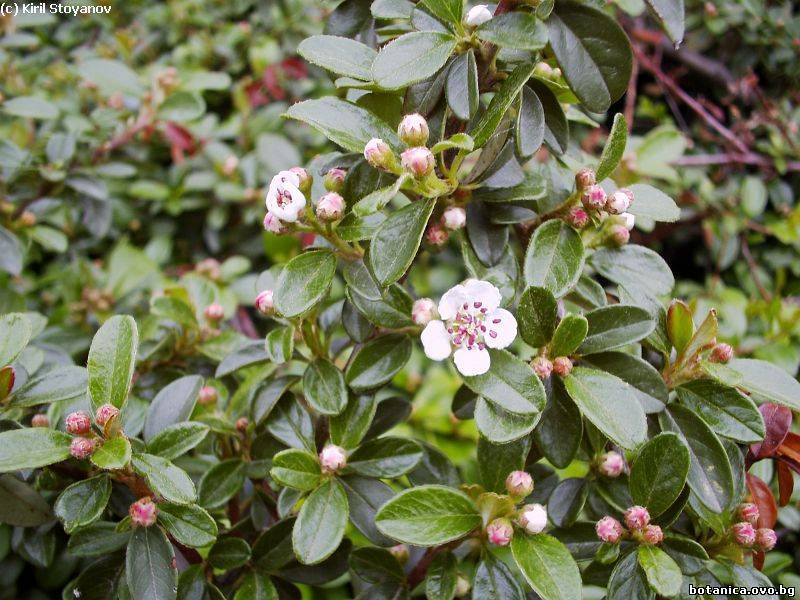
710, 476
55, 385
221, 483
113, 453
175, 440
11, 252
670, 14
500, 426
385, 458
441, 577
635, 267
83, 502
567, 500
344, 123
568, 336
766, 382
461, 88
173, 404
554, 258
324, 387
531, 125
754, 196
111, 76
556, 133
32, 448
349, 428
15, 333
189, 524
680, 325
593, 51
339, 54
291, 424
149, 566
365, 496
501, 101
377, 567
411, 58
663, 573
614, 148
30, 107
396, 241
279, 344
297, 469
609, 404
614, 326
376, 200
229, 553
428, 515
111, 361
320, 525
537, 315
510, 383
256, 586
97, 539
628, 581
20, 504
559, 432
547, 566
654, 204
495, 581
182, 106
725, 409
304, 282
377, 361
659, 473
645, 380
518, 30
448, 12
164, 478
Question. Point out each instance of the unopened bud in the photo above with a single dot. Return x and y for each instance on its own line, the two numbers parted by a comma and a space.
620, 235
766, 539
27, 219
519, 484
418, 161
478, 15
81, 448
562, 366
413, 130
611, 464
637, 517
585, 178
653, 535
304, 179
78, 423
230, 165
143, 512
105, 413
594, 198
628, 220
332, 458
334, 179
214, 312
436, 235
544, 70
748, 512
379, 154
542, 367
744, 534
330, 207
423, 311
533, 518
273, 224
40, 420
454, 218
618, 202
609, 530
242, 423
265, 303
209, 267
463, 586
207, 396
578, 217
721, 353
499, 532
400, 552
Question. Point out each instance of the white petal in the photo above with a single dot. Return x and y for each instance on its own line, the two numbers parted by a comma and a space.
506, 329
289, 177
288, 212
451, 302
483, 292
472, 362
436, 341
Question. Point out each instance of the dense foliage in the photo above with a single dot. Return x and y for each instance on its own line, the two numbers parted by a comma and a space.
471, 347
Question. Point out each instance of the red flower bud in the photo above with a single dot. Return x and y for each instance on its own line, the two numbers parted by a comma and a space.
105, 413
766, 539
499, 532
78, 423
214, 312
454, 218
423, 311
562, 366
242, 423
436, 235
578, 217
143, 512
413, 130
585, 178
400, 552
40, 420
653, 534
748, 512
330, 207
418, 161
542, 366
332, 458
609, 530
334, 179
265, 303
612, 464
81, 448
620, 235
594, 198
744, 534
721, 353
637, 517
207, 396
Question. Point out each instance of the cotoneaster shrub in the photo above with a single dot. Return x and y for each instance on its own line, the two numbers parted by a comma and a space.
609, 431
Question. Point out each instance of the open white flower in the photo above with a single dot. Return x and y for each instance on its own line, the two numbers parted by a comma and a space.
472, 321
284, 198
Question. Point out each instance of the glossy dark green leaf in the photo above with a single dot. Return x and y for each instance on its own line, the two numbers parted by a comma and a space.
537, 315
435, 467
500, 426
554, 258
441, 577
248, 354
663, 574
448, 12
221, 483
519, 30
614, 326
279, 345
229, 553
256, 586
614, 148
173, 404
190, 525
377, 361
646, 381
56, 385
729, 412
97, 539
149, 565
500, 103
32, 448
385, 457
15, 333
411, 58
530, 128
461, 87
556, 133
111, 361
670, 14
628, 580
324, 387
636, 267
510, 383
11, 253
339, 54
168, 481
291, 424
766, 382
547, 566
567, 500
659, 473
297, 469
397, 240
488, 240
365, 496
560, 429
392, 309
349, 428
495, 581
20, 504
496, 461
175, 440
569, 334
113, 453
320, 526
304, 282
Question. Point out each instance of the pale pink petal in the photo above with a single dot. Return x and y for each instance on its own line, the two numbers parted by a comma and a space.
482, 292
501, 328
472, 362
452, 301
436, 341
289, 211
289, 177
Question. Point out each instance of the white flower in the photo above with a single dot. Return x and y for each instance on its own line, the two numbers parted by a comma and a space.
533, 518
472, 320
284, 198
478, 15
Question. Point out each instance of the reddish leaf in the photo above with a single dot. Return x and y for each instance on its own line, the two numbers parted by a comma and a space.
778, 420
758, 560
180, 137
295, 68
785, 482
7, 377
763, 498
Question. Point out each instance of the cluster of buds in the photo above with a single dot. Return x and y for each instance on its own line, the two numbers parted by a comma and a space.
595, 202
332, 458
611, 464
79, 424
745, 533
544, 367
452, 219
637, 521
530, 517
265, 302
143, 512
545, 71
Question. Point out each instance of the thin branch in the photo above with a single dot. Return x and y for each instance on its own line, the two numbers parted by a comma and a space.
754, 270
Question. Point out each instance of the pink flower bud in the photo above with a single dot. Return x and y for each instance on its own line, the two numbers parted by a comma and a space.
105, 413
207, 396
618, 202
436, 235
423, 311
478, 15
81, 447
209, 267
744, 533
637, 517
653, 535
766, 539
585, 178
230, 165
242, 423
454, 218
332, 458
265, 302
519, 484
143, 512
273, 224
78, 423
721, 353
748, 512
594, 198
400, 552
40, 420
578, 217
330, 207
418, 161
533, 518
612, 464
378, 154
562, 366
499, 532
214, 312
609, 530
413, 130
334, 179
304, 179
542, 366
620, 235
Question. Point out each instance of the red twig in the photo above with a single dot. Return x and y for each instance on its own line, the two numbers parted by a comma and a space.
725, 158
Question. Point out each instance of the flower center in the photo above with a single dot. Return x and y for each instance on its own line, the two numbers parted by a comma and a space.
470, 326
284, 197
